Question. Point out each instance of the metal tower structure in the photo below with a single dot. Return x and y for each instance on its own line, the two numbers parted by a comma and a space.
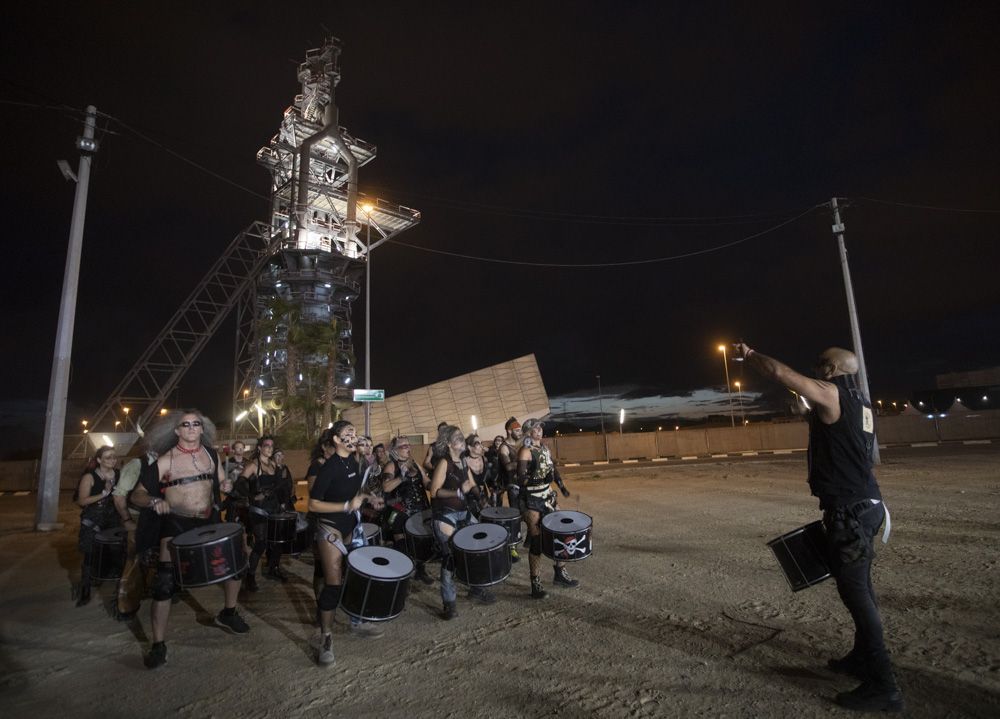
302, 346
296, 275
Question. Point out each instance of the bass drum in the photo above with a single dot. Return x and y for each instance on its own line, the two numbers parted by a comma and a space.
420, 544
108, 557
208, 555
507, 517
481, 553
376, 583
802, 555
566, 536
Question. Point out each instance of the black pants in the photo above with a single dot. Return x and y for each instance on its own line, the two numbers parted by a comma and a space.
854, 584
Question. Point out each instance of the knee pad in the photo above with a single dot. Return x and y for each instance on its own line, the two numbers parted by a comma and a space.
535, 547
329, 598
164, 585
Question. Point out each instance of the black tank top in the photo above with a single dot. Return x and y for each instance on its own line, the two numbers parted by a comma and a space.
410, 491
840, 454
454, 478
271, 485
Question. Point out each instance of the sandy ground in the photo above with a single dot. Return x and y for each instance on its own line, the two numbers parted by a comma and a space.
682, 611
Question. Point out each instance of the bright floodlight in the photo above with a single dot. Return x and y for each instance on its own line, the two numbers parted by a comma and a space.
722, 348
475, 423
242, 416
163, 411
367, 208
107, 440
621, 416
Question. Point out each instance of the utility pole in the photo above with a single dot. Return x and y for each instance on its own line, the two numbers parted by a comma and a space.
55, 414
600, 399
852, 310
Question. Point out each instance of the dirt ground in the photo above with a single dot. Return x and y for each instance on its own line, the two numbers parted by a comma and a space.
682, 611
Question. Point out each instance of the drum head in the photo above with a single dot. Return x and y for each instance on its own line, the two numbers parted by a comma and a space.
420, 524
371, 531
499, 514
206, 535
480, 537
115, 535
284, 517
380, 563
567, 522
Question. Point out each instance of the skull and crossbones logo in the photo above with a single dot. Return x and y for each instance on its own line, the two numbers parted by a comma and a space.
570, 545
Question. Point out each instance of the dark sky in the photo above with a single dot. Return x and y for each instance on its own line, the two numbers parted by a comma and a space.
542, 132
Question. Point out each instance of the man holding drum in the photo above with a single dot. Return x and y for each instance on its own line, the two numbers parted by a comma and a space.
184, 492
535, 473
841, 437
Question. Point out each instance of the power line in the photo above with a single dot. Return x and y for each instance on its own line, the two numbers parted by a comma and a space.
934, 208
594, 265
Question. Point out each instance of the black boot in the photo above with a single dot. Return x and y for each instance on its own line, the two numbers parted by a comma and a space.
422, 574
449, 611
872, 696
562, 579
84, 596
536, 588
851, 664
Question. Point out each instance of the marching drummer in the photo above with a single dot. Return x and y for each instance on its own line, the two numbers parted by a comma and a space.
450, 484
268, 495
184, 490
335, 498
536, 471
97, 512
404, 487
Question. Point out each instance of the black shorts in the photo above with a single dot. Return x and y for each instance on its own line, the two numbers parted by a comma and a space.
172, 525
532, 503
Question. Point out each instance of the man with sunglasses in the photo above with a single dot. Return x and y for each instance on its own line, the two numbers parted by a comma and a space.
841, 440
184, 490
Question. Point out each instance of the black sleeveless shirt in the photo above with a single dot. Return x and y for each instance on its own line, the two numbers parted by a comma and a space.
454, 478
840, 454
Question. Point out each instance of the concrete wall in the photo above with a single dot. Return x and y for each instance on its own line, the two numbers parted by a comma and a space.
587, 447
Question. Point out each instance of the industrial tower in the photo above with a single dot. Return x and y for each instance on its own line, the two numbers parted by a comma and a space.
291, 281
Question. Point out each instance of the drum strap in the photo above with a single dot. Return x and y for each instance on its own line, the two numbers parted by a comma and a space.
258, 510
326, 534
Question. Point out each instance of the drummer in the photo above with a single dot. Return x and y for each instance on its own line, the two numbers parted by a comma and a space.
268, 495
336, 498
184, 491
97, 512
404, 487
507, 463
536, 471
431, 457
451, 483
323, 450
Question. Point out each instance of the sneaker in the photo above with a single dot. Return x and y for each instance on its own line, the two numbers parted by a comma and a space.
157, 655
514, 558
483, 596
232, 623
250, 583
449, 611
324, 656
536, 588
850, 664
870, 696
366, 630
563, 579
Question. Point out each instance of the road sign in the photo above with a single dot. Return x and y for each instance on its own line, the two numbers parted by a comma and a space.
369, 395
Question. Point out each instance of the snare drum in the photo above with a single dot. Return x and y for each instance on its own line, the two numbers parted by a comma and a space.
303, 536
107, 560
506, 517
566, 536
482, 556
802, 554
376, 583
208, 555
373, 534
281, 528
420, 543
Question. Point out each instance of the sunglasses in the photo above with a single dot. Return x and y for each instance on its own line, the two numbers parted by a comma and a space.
268, 444
185, 424
477, 444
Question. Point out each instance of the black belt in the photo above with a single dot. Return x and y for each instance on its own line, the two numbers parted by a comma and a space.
186, 480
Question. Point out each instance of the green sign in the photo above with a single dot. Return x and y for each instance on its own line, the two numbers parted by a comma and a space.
369, 395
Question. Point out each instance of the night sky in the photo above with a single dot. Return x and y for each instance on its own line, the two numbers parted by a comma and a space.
572, 134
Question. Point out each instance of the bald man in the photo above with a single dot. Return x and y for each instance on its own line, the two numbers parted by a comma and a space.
841, 438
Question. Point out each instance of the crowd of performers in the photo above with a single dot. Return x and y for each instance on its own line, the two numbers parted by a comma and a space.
180, 483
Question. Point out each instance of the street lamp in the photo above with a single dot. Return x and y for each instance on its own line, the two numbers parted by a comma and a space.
621, 422
739, 395
126, 411
729, 389
367, 209
600, 400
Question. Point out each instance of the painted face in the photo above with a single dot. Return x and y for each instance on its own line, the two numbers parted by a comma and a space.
349, 437
238, 449
515, 432
476, 448
189, 428
536, 432
279, 457
365, 445
458, 443
403, 450
267, 448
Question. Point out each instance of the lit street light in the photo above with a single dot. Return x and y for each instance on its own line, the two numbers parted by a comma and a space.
729, 389
621, 422
367, 209
600, 400
739, 394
